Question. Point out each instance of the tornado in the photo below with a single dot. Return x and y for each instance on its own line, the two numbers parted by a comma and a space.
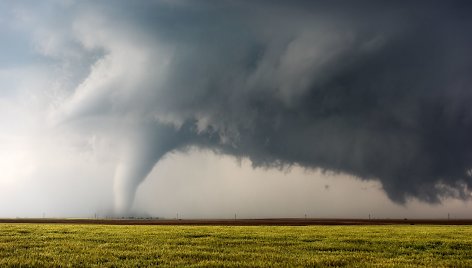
142, 148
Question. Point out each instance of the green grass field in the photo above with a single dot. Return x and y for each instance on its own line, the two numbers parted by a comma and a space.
255, 246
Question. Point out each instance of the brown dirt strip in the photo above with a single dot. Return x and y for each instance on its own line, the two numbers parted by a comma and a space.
245, 222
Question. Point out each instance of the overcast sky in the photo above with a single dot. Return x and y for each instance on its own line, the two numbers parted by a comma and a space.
256, 108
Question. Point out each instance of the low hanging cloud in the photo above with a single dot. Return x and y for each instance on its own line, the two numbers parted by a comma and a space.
378, 91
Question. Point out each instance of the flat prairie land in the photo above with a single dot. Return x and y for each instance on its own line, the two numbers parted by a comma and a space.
96, 245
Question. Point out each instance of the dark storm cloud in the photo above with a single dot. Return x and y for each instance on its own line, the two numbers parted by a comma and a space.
379, 91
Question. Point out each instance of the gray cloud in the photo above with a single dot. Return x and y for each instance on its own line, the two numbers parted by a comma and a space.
381, 92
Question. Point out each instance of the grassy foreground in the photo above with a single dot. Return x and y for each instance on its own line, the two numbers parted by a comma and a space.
255, 246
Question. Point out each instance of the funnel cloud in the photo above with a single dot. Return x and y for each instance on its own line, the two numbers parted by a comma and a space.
379, 91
